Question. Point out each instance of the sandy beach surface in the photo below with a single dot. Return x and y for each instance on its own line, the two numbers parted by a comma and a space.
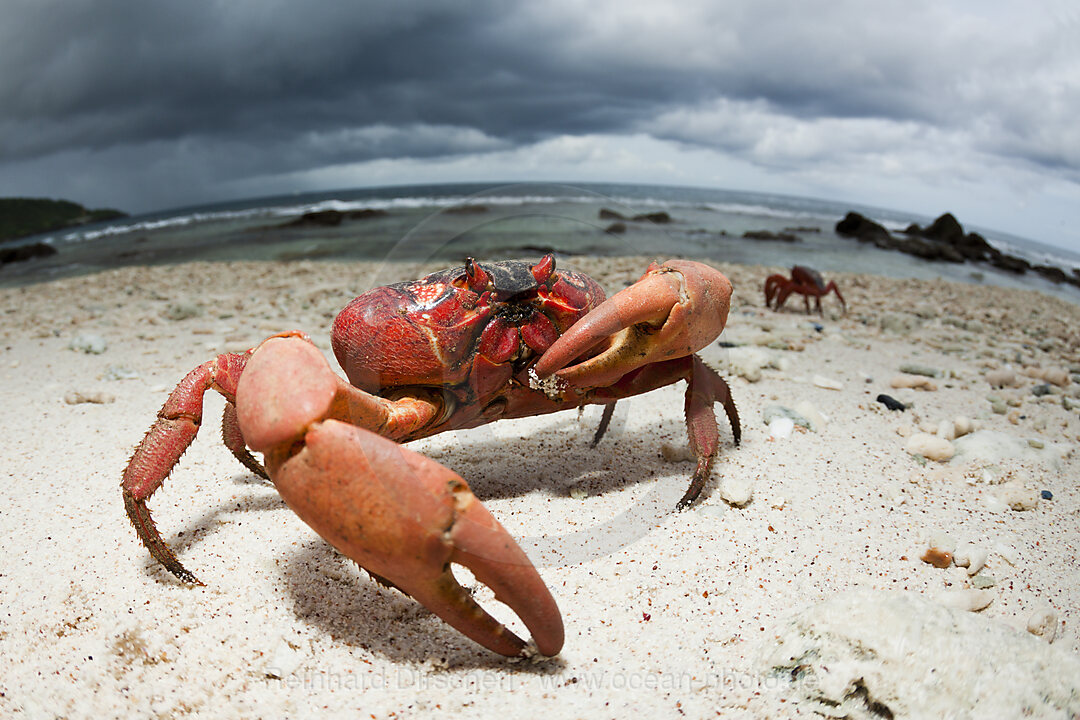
794, 587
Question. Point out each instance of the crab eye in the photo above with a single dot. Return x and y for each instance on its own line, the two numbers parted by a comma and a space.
544, 269
479, 280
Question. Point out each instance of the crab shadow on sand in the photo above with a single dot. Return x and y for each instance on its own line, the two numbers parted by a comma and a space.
332, 593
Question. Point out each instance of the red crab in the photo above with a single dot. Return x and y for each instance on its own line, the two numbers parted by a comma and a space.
456, 349
805, 281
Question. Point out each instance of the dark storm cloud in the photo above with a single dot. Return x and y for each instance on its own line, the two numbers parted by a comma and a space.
215, 91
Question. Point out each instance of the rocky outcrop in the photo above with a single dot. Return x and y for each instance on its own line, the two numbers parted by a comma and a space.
26, 252
333, 218
22, 217
769, 235
659, 217
945, 240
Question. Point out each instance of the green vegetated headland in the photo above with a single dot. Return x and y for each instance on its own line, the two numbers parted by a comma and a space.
20, 217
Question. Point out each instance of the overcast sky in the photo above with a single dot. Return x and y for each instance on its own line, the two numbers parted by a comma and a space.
921, 106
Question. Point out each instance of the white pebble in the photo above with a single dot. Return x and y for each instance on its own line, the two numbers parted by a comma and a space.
747, 362
962, 426
1001, 378
76, 397
917, 382
930, 447
1018, 497
967, 599
1044, 624
827, 383
781, 428
817, 419
88, 343
736, 490
946, 430
971, 557
676, 453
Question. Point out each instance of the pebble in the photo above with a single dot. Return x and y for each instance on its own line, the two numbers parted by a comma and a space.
676, 453
891, 402
88, 343
946, 430
930, 447
119, 372
1043, 623
969, 599
828, 383
983, 581
1046, 495
747, 362
736, 490
1041, 390
182, 311
899, 324
781, 428
962, 426
998, 407
772, 412
1001, 378
971, 557
1057, 376
817, 419
76, 397
925, 370
1018, 497
937, 557
917, 382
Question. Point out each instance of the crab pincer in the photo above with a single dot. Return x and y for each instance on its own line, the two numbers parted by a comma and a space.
645, 337
401, 516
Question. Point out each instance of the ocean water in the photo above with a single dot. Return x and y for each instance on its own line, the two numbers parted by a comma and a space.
451, 222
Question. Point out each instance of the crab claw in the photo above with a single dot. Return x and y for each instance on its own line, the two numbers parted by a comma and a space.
401, 516
674, 310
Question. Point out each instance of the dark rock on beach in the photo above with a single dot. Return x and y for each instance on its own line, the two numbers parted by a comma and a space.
617, 228
333, 218
367, 214
890, 402
466, 210
862, 229
26, 252
320, 218
945, 240
653, 217
769, 235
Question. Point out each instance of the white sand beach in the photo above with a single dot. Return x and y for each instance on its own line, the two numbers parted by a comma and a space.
794, 586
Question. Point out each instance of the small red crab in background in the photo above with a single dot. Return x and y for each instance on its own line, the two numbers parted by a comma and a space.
805, 281
456, 349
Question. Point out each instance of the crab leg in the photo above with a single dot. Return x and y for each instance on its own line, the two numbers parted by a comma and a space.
177, 424
399, 515
674, 310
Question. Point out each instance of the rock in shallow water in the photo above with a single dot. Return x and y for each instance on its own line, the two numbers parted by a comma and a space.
870, 654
